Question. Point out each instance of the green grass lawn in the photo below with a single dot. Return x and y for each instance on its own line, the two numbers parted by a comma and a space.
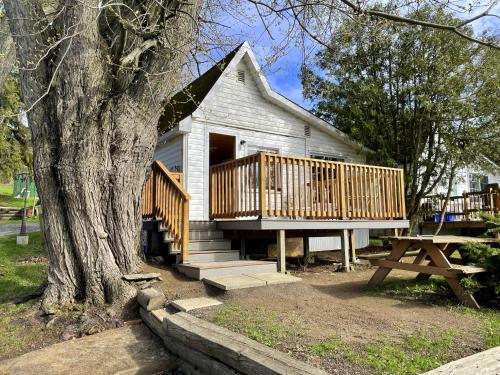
20, 275
6, 198
436, 291
19, 279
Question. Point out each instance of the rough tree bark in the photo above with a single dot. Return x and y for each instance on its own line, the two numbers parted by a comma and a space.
95, 89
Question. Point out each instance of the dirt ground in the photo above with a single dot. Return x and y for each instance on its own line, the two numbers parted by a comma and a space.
330, 304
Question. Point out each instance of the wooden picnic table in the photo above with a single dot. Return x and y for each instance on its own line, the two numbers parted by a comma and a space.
434, 258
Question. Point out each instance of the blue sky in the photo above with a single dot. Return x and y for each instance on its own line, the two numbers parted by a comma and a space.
283, 72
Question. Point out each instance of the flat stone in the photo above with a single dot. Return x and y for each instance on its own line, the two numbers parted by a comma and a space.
22, 240
151, 299
234, 282
141, 276
194, 303
125, 351
274, 277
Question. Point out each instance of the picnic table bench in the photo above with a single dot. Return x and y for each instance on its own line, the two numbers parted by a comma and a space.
433, 258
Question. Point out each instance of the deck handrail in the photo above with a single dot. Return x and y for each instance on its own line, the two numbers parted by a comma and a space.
166, 199
463, 207
266, 184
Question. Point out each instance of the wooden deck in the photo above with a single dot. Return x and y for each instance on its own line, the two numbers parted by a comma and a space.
461, 208
272, 185
268, 191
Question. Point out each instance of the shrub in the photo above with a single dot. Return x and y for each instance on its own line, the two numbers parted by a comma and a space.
486, 285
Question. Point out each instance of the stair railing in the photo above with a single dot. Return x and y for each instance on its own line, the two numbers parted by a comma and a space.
166, 200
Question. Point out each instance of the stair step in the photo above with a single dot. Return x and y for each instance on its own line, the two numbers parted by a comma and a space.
202, 270
209, 245
202, 225
206, 234
207, 256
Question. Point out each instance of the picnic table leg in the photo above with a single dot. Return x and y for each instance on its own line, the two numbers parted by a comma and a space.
439, 259
398, 249
447, 250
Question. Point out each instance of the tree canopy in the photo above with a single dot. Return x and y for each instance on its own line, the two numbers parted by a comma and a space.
419, 98
15, 139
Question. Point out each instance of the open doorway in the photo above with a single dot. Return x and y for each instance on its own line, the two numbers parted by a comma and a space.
222, 148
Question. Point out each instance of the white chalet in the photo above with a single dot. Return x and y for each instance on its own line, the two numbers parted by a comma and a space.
255, 164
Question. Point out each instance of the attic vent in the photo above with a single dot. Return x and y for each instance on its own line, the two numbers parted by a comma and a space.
241, 76
307, 130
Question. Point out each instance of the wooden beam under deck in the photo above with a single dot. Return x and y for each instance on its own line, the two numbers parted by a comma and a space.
304, 224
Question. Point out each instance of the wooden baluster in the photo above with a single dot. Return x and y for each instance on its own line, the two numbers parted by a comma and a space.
299, 186
362, 191
328, 192
342, 192
355, 205
268, 165
287, 183
282, 191
306, 191
382, 174
333, 189
294, 201
277, 183
262, 184
322, 187
316, 190
402, 195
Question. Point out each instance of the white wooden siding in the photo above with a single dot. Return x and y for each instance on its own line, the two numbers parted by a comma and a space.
239, 109
462, 183
170, 153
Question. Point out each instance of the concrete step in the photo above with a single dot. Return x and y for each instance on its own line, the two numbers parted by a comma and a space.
202, 225
250, 280
209, 245
203, 270
206, 234
205, 256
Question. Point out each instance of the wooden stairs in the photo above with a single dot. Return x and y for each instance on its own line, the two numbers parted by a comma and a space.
199, 249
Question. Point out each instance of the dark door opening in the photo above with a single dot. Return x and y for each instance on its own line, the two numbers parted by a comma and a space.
222, 148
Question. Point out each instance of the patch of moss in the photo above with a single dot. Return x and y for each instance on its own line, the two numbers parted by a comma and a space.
432, 291
415, 353
262, 325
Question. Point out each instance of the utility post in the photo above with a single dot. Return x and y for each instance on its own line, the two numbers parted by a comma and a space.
22, 238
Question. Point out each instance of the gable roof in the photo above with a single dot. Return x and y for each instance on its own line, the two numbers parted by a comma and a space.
191, 99
187, 100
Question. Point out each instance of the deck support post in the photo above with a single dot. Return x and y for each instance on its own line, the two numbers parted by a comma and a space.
281, 250
243, 247
344, 237
352, 246
307, 253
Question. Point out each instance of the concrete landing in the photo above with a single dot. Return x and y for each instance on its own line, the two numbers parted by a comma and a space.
125, 351
272, 278
202, 270
250, 280
234, 282
194, 303
483, 363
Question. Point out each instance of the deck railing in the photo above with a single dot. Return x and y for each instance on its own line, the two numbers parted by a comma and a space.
465, 207
266, 184
165, 198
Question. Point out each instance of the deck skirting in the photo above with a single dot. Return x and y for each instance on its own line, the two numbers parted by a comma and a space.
304, 224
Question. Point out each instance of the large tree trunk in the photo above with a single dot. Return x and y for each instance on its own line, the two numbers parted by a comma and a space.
94, 131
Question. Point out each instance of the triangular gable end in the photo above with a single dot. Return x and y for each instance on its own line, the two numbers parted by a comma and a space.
191, 100
275, 98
